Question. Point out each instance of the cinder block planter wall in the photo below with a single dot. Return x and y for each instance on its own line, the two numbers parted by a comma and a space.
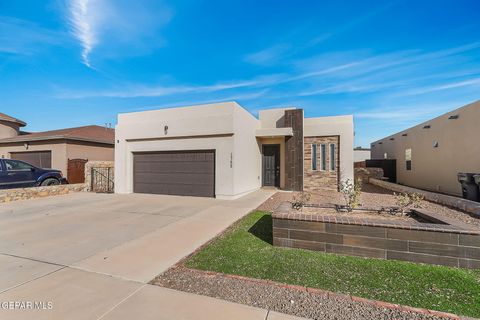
392, 240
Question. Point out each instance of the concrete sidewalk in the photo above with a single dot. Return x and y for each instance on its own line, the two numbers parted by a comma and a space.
78, 294
91, 256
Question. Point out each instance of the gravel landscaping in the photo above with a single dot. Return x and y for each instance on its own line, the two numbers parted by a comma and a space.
279, 298
245, 249
372, 196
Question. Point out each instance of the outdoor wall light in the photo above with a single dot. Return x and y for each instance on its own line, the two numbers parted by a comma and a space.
26, 145
435, 144
165, 130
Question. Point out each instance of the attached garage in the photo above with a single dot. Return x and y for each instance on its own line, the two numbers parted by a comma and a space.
185, 173
40, 159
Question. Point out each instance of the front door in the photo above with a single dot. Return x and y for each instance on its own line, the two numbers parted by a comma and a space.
271, 165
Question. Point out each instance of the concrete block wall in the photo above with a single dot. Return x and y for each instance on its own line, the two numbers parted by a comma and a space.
391, 240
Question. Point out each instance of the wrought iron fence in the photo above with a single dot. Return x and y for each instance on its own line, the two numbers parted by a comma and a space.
102, 180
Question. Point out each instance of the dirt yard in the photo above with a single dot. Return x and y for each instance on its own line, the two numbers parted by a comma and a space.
372, 197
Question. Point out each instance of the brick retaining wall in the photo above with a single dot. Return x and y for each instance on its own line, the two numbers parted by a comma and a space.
383, 239
471, 207
39, 192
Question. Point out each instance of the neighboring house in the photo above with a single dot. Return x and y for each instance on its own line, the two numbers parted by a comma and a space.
361, 154
221, 150
53, 149
430, 155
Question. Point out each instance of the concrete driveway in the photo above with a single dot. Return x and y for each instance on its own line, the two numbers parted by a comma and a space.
90, 256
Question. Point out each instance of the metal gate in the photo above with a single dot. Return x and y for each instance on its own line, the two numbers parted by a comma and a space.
102, 180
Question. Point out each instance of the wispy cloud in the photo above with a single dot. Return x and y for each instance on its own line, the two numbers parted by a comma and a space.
452, 85
268, 56
116, 26
416, 111
134, 91
407, 72
21, 37
82, 22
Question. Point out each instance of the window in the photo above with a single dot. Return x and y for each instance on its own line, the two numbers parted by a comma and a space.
14, 165
314, 157
408, 159
323, 157
332, 157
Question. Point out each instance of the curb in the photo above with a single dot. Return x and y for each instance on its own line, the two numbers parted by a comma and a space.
330, 294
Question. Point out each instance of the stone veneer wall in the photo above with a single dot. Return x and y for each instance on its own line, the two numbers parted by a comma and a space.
365, 174
471, 207
9, 195
294, 150
96, 164
391, 240
317, 180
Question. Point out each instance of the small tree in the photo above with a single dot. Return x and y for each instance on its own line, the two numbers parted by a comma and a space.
300, 199
407, 200
351, 192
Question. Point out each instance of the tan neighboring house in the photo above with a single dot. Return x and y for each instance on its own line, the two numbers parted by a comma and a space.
221, 150
54, 149
430, 155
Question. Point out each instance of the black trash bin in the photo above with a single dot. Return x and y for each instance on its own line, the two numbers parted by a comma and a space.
470, 190
476, 178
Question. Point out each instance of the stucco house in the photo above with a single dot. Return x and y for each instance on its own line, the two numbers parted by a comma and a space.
221, 150
429, 155
53, 149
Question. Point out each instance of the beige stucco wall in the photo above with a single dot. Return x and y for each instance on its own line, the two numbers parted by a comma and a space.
341, 126
247, 161
90, 151
224, 127
57, 147
436, 169
8, 129
361, 155
272, 118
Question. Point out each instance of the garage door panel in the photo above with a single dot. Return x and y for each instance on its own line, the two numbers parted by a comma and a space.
40, 159
176, 189
168, 166
175, 178
189, 173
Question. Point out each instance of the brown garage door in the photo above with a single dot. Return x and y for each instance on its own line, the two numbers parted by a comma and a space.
40, 159
185, 173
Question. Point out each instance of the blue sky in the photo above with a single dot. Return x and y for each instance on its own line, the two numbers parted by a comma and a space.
390, 63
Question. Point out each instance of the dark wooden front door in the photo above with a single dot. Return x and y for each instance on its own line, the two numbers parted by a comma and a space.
271, 165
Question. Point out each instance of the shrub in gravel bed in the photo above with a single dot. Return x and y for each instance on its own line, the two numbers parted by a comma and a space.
246, 250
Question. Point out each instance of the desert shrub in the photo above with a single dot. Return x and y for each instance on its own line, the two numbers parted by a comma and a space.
300, 199
351, 192
406, 200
